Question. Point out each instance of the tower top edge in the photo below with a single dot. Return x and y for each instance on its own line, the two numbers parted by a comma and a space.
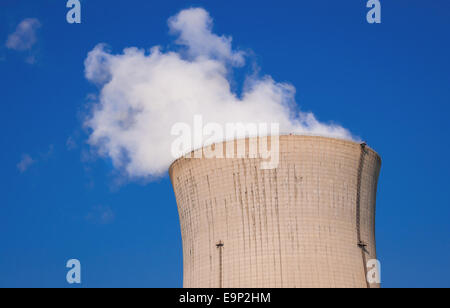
297, 137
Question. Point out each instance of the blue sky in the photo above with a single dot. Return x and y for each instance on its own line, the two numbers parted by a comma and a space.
388, 83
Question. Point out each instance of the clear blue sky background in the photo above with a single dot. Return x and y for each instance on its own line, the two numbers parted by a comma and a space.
388, 83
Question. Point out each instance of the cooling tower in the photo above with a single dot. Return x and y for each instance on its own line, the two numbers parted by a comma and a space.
310, 222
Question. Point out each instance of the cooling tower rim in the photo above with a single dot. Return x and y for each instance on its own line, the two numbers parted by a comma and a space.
302, 136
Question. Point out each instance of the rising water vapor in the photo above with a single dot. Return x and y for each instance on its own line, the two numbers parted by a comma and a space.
144, 93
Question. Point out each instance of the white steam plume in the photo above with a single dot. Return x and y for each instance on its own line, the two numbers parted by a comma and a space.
143, 94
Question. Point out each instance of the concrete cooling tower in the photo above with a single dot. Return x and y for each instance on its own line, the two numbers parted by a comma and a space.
310, 222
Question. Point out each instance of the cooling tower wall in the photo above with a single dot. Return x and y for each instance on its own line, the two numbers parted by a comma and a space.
308, 223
